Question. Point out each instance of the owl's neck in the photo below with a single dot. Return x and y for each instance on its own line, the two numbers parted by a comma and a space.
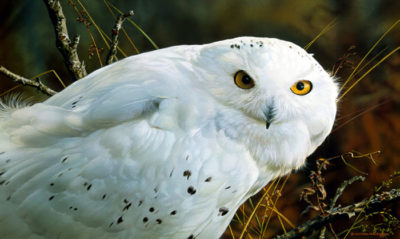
276, 150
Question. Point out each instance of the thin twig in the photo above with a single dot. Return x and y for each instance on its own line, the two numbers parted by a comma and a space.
338, 193
368, 205
342, 187
64, 44
114, 35
22, 80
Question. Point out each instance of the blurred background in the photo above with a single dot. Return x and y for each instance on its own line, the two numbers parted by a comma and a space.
368, 118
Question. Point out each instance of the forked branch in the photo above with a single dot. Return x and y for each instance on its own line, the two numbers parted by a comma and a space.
64, 44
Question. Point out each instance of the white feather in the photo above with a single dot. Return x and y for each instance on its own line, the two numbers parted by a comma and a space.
162, 144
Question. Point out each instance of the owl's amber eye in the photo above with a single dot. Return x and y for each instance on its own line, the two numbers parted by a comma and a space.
301, 87
243, 80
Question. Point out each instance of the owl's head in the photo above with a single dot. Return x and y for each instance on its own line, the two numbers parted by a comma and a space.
273, 96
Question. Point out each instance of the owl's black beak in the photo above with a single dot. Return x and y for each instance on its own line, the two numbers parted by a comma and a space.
269, 115
268, 123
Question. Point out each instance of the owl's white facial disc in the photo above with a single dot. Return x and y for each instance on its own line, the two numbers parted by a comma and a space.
287, 109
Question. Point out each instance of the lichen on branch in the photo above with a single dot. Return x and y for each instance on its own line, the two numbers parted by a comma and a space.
64, 44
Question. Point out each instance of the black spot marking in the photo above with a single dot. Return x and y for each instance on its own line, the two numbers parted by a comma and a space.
187, 174
126, 201
228, 187
290, 46
140, 203
8, 198
127, 207
172, 171
59, 175
111, 224
7, 183
223, 211
51, 198
85, 184
173, 212
64, 159
156, 189
191, 237
120, 219
208, 179
191, 190
187, 157
104, 196
251, 45
1, 173
2, 182
75, 209
232, 46
88, 187
145, 219
51, 184
151, 209
70, 208
159, 221
74, 103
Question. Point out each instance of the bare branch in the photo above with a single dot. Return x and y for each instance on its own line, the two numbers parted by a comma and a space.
342, 187
64, 44
114, 35
377, 202
22, 80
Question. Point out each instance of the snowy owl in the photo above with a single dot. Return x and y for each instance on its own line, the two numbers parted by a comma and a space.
165, 144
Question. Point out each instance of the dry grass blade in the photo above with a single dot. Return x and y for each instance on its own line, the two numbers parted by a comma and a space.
101, 33
273, 206
280, 215
322, 32
367, 72
358, 114
276, 181
230, 230
10, 90
369, 52
55, 73
87, 26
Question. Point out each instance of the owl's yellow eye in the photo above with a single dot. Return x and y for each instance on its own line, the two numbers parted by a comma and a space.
301, 87
243, 80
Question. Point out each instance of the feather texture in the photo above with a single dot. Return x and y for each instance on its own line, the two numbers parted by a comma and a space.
161, 145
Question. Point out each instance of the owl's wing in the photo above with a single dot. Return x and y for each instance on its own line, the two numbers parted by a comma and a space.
127, 90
